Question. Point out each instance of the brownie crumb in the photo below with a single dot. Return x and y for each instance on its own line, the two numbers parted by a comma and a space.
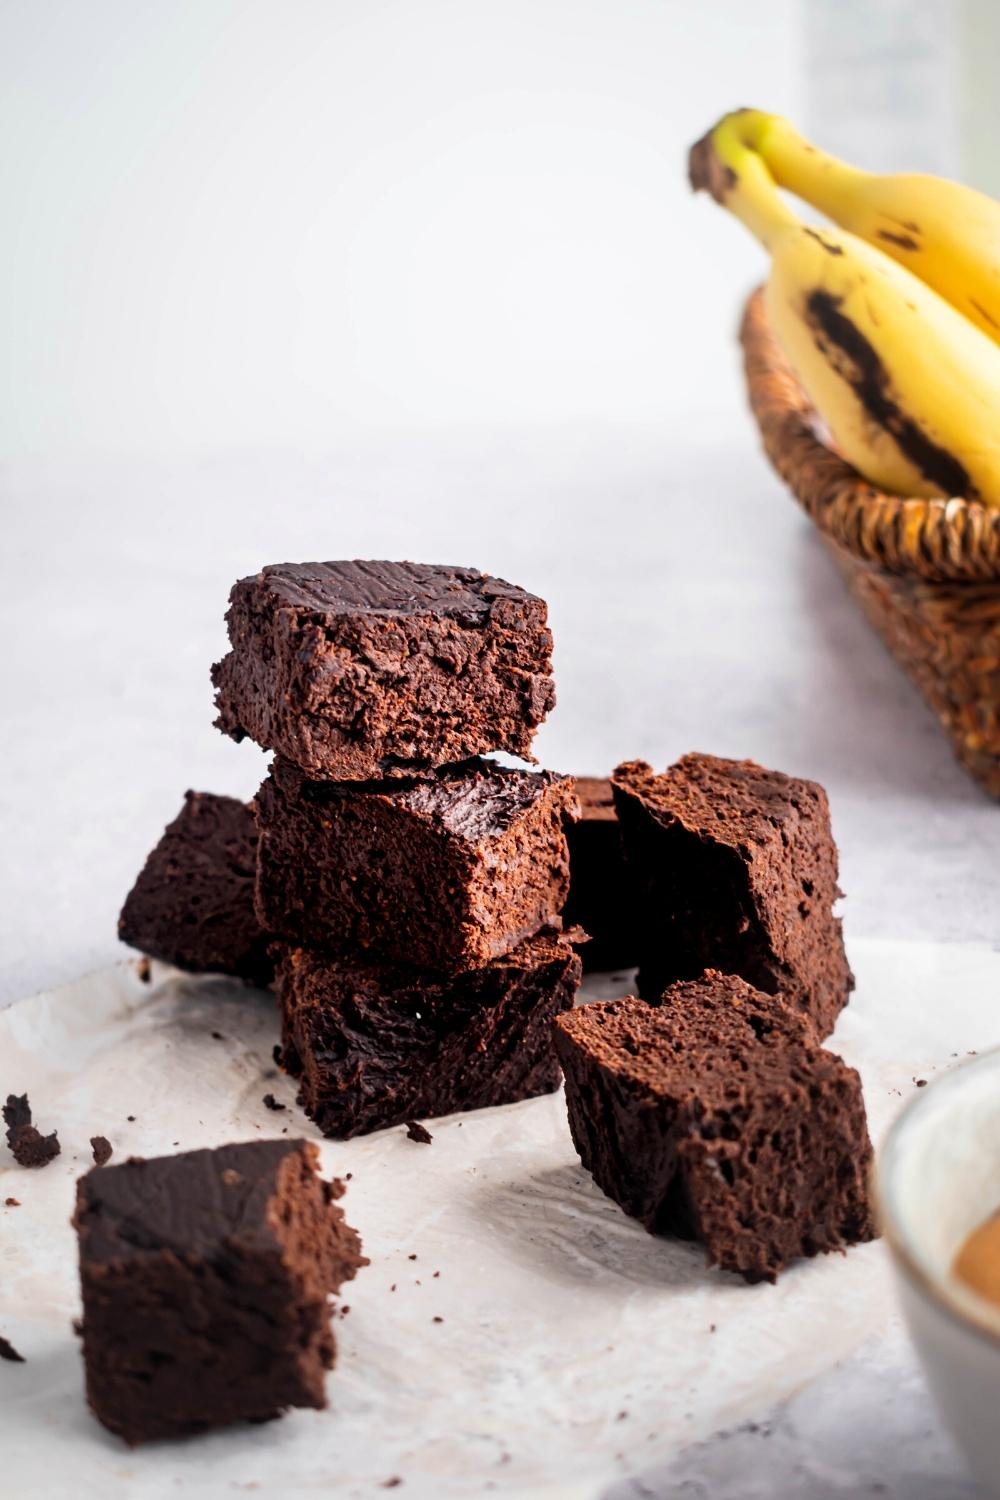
418, 1132
437, 1273
144, 969
12, 1203
7, 1351
390, 1484
271, 1102
348, 1176
28, 1146
921, 1083
102, 1149
130, 1119
16, 1114
217, 1036
436, 1319
413, 1256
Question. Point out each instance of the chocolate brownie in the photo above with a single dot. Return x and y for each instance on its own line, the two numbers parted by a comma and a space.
717, 1116
192, 905
205, 1280
355, 669
375, 1045
734, 868
599, 901
443, 872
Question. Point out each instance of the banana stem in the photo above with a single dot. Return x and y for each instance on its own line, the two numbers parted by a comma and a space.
747, 188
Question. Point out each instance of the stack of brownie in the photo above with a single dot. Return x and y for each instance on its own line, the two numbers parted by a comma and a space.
412, 888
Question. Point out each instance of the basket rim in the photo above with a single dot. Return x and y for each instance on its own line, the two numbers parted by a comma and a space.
945, 540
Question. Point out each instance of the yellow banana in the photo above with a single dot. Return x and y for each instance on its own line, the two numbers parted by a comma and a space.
944, 232
909, 388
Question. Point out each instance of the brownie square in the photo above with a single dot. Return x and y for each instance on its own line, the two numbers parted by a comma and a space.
193, 903
355, 669
205, 1280
374, 1045
443, 872
599, 900
717, 1116
734, 867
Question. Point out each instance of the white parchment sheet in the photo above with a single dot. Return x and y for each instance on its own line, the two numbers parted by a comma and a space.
575, 1349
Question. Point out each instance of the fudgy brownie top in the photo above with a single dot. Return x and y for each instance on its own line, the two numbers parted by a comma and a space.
597, 803
379, 587
197, 1204
705, 1038
475, 800
732, 801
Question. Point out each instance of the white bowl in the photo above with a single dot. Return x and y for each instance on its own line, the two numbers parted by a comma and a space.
938, 1178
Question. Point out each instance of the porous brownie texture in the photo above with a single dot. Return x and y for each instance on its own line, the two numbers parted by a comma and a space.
193, 903
599, 901
443, 872
354, 670
734, 867
374, 1046
205, 1280
717, 1116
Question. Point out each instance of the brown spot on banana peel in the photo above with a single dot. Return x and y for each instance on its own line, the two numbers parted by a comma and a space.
903, 241
814, 234
861, 366
981, 310
706, 173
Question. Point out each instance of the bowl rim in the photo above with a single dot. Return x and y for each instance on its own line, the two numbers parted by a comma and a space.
962, 1305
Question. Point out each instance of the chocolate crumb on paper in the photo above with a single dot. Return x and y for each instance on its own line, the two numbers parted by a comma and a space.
102, 1149
8, 1352
418, 1132
270, 1102
12, 1203
28, 1146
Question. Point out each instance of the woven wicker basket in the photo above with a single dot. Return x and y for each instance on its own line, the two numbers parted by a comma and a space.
925, 572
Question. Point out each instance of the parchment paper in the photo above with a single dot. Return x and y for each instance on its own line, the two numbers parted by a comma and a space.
574, 1350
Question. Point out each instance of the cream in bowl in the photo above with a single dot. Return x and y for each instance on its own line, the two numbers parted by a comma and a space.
938, 1187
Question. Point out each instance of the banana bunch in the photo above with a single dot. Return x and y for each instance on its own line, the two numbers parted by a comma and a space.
891, 323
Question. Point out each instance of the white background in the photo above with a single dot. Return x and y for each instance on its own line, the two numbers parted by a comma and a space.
247, 221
